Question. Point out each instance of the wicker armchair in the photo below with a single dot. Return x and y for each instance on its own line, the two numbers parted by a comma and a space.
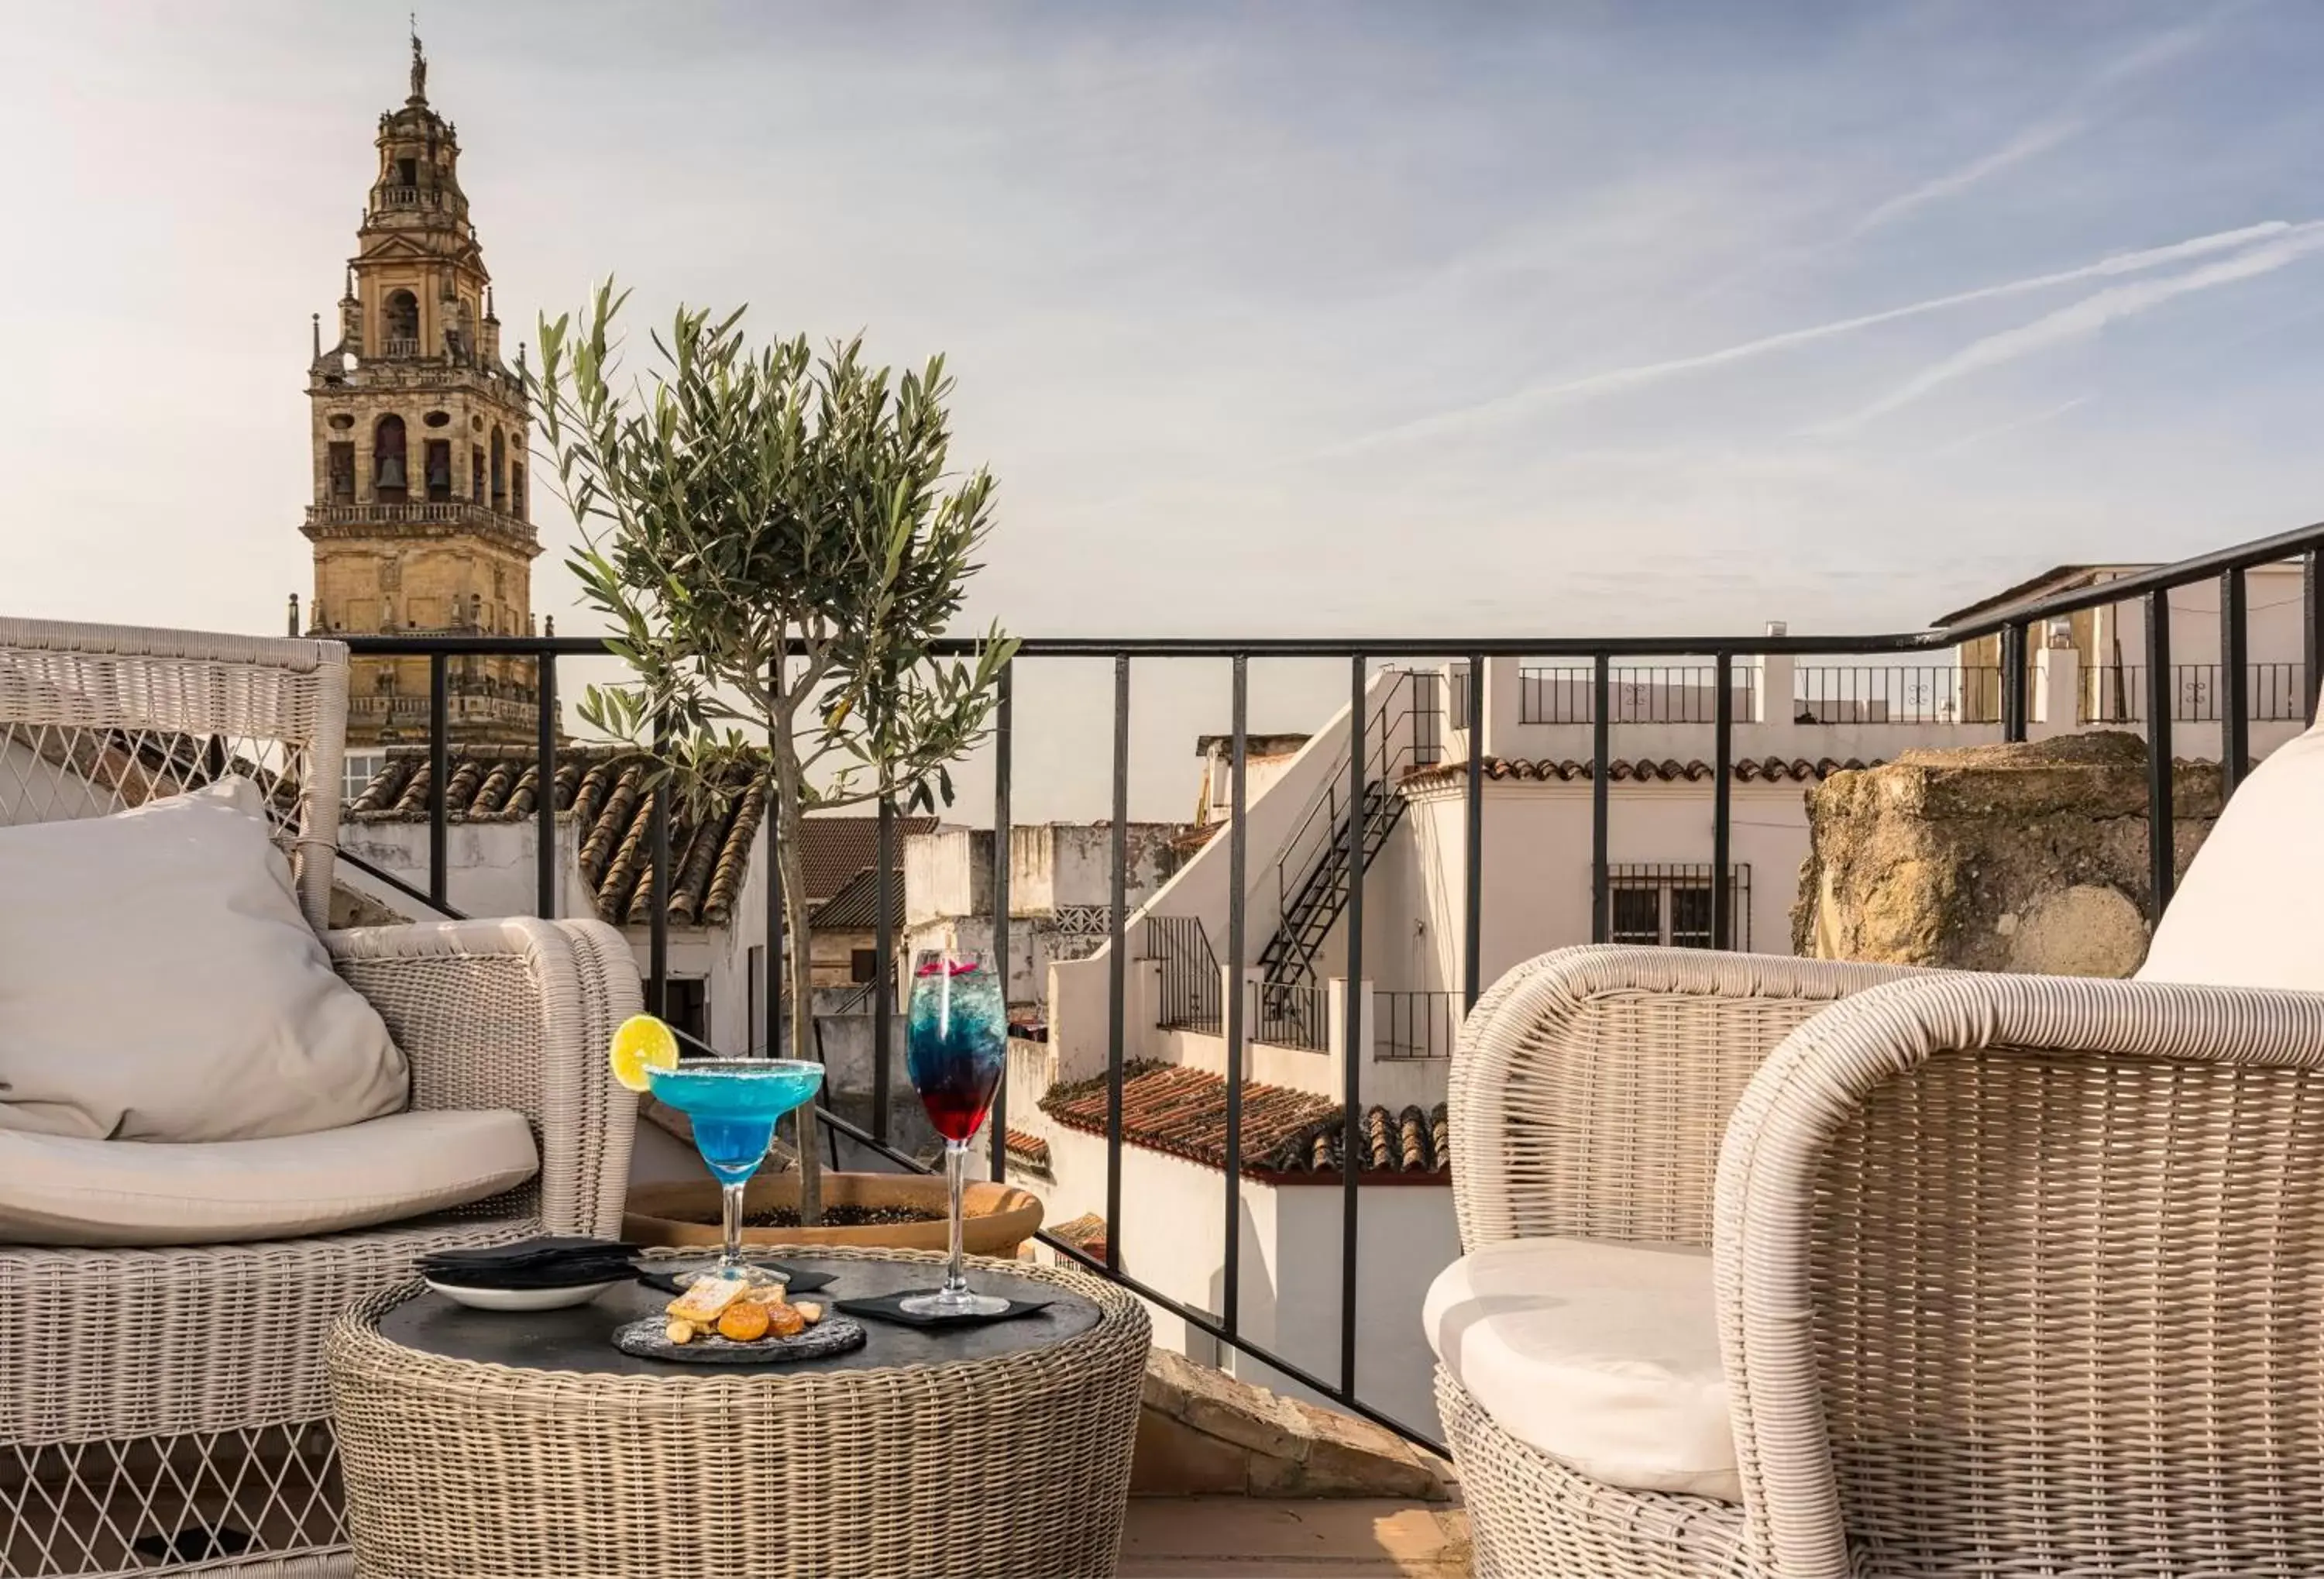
2014, 1275
165, 1410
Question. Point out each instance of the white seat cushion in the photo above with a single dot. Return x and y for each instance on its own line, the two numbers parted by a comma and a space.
61, 1189
158, 982
2251, 910
1603, 1356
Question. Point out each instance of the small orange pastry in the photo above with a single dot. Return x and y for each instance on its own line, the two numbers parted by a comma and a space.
742, 1322
784, 1321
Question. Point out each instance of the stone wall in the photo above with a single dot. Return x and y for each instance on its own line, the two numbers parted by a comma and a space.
2029, 857
1202, 1433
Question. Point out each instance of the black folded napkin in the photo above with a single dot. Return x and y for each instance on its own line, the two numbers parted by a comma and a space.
798, 1282
548, 1249
890, 1307
565, 1262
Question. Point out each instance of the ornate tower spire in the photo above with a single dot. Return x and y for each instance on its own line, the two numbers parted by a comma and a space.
418, 65
421, 518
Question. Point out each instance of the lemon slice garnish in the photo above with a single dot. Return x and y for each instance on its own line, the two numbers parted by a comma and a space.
642, 1044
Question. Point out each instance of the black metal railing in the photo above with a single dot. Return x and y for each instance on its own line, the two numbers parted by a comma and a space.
1218, 1312
2116, 693
1685, 693
1291, 1014
1896, 694
1190, 972
1415, 1024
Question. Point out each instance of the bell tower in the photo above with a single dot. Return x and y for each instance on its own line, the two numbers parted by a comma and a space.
421, 518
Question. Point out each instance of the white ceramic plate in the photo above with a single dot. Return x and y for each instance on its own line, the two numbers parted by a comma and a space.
521, 1298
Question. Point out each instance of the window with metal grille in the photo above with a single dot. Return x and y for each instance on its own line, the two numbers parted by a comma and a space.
1670, 905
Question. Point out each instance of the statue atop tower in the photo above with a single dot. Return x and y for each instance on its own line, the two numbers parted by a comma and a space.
420, 520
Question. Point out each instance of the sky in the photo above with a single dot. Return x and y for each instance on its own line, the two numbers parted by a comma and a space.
1283, 318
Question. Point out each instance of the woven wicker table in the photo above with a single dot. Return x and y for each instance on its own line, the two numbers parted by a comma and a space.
477, 1446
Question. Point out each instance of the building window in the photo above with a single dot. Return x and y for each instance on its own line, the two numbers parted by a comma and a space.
388, 478
361, 768
516, 493
863, 966
1670, 905
689, 1012
339, 471
439, 471
403, 324
500, 472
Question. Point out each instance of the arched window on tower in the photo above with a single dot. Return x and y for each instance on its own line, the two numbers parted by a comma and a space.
500, 472
389, 478
516, 492
403, 325
439, 471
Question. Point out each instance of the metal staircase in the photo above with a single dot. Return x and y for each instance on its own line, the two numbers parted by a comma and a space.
1311, 876
1312, 902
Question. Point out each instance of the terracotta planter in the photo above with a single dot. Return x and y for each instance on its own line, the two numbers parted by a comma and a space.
1000, 1217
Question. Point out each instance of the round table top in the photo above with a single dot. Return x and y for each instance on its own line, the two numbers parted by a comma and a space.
580, 1338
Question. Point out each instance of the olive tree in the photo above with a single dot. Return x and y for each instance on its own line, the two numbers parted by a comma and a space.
780, 547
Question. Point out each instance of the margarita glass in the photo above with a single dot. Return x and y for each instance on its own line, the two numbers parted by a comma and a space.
734, 1104
957, 1042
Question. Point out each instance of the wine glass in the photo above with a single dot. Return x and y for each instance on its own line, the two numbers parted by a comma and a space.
956, 1042
734, 1104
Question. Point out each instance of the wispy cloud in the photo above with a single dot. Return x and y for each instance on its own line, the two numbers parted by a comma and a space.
2070, 119
2016, 425
1519, 401
2034, 139
2091, 314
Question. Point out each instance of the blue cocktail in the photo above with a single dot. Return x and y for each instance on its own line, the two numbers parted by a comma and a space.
734, 1104
956, 1045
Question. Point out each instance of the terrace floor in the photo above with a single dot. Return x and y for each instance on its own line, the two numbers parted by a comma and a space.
1243, 1537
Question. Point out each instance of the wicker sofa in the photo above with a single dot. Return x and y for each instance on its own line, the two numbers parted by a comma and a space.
2006, 1275
165, 1409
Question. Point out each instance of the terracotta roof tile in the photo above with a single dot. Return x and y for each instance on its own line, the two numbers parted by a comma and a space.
601, 793
855, 908
1169, 1107
1640, 769
1027, 1151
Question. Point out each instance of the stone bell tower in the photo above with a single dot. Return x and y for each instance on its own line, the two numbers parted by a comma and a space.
421, 514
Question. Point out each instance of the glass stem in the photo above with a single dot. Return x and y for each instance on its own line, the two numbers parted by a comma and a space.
956, 1177
730, 1216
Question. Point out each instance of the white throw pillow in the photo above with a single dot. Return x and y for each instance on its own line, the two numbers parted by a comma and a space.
1603, 1356
2251, 910
56, 1190
158, 982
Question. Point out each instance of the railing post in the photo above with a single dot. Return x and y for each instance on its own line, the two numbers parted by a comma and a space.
883, 972
1472, 853
1601, 767
1238, 847
2235, 682
1351, 1085
544, 810
658, 878
2163, 866
439, 770
2311, 631
1116, 982
2012, 683
1004, 708
1722, 810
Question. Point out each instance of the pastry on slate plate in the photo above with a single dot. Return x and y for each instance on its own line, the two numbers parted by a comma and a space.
737, 1312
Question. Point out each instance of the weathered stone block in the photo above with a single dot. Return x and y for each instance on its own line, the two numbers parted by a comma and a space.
1204, 1433
2030, 857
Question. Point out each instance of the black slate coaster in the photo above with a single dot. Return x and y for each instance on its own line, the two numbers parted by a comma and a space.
834, 1334
797, 1281
891, 1308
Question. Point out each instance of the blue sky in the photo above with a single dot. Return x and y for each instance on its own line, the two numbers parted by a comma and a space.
1327, 317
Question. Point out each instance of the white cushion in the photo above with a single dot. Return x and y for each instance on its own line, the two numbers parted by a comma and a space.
58, 1189
2251, 910
158, 982
1603, 1356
